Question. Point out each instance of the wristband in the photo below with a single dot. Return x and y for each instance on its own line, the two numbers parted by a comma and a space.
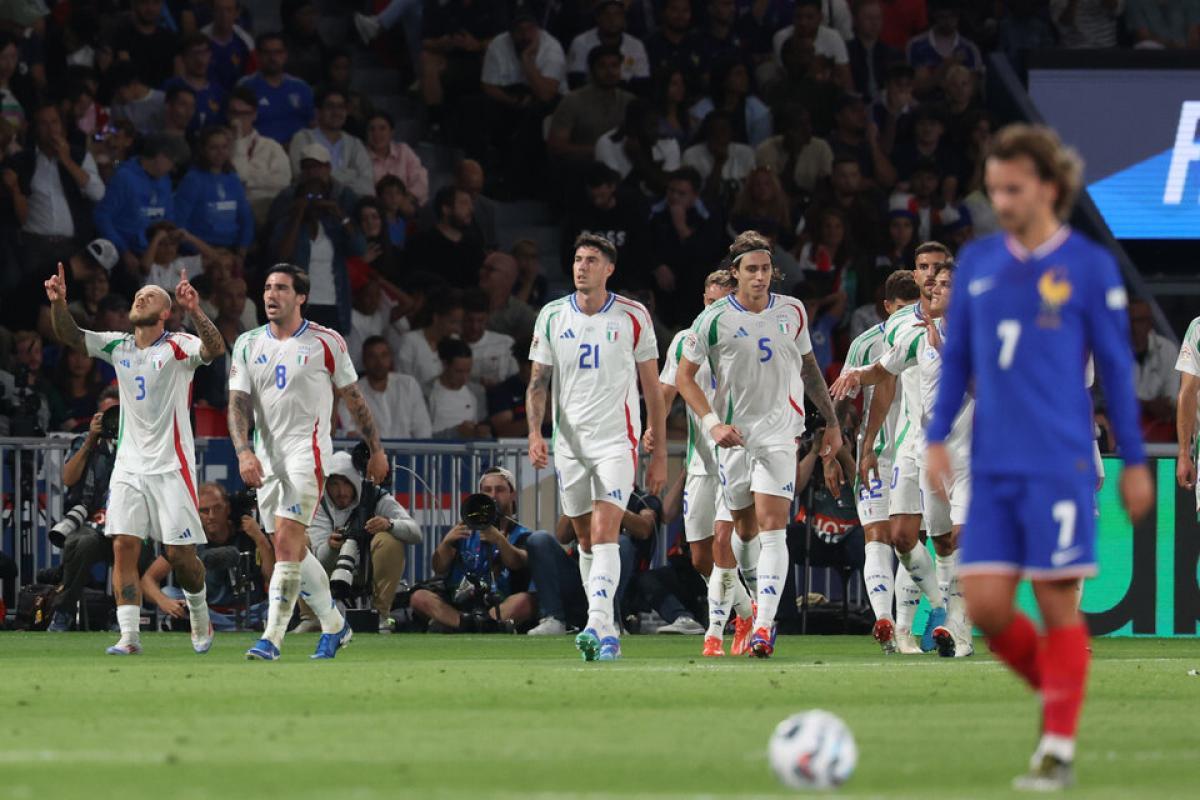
710, 421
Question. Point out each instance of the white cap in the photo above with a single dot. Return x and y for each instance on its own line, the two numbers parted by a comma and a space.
315, 151
104, 253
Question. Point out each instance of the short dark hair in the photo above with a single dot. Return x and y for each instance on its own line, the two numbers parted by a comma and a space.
803, 3
946, 266
245, 94
267, 36
383, 115
898, 71
688, 174
933, 247
300, 280
178, 89
387, 182
371, 341
445, 198
600, 51
444, 302
193, 40
122, 74
600, 174
110, 392
901, 285
598, 242
450, 348
476, 301
326, 92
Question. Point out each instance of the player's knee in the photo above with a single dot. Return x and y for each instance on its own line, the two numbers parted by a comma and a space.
702, 559
179, 555
943, 545
989, 614
126, 547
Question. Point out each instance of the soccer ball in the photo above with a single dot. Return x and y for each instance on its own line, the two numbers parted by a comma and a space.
812, 750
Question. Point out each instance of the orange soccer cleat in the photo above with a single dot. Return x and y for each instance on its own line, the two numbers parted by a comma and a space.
742, 628
762, 643
713, 647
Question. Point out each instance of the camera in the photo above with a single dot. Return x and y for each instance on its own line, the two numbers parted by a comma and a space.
816, 424
75, 517
314, 196
242, 504
24, 408
110, 423
341, 580
480, 511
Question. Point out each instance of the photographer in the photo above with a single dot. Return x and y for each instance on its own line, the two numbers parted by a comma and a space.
478, 559
354, 516
85, 476
28, 404
834, 519
238, 560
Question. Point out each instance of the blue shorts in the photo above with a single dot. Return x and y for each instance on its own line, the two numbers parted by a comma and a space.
1038, 527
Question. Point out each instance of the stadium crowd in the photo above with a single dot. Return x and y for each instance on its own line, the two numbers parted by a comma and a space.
145, 140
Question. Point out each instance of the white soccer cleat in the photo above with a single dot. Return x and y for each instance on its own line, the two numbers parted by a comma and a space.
125, 649
549, 626
683, 624
202, 644
907, 644
964, 643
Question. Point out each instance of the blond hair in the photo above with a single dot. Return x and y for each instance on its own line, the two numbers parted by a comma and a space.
1053, 161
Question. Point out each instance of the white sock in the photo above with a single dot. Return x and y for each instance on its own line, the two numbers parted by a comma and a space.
908, 597
1061, 747
720, 586
314, 588
602, 587
956, 609
920, 567
585, 567
285, 588
129, 618
198, 610
746, 554
772, 572
877, 573
743, 606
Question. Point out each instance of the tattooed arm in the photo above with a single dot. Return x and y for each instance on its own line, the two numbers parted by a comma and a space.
378, 468
535, 412
212, 344
241, 413
817, 391
65, 328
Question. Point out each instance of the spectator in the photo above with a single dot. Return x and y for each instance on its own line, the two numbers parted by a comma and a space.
399, 210
229, 545
1024, 26
762, 205
506, 400
531, 283
85, 304
869, 56
721, 39
339, 69
454, 36
379, 252
179, 109
138, 196
396, 401
17, 92
161, 261
469, 178
675, 45
1158, 24
637, 153
417, 354
730, 92
586, 113
941, 47
81, 107
351, 163
114, 148
232, 48
618, 213
824, 310
353, 506
476, 563
798, 158
389, 157
686, 239
211, 201
670, 100
929, 144
312, 232
195, 54
609, 32
261, 162
143, 41
112, 314
369, 315
492, 362
135, 101
807, 24
1086, 24
892, 111
508, 314
449, 246
861, 203
562, 601
926, 201
285, 103
308, 52
37, 408
868, 315
722, 163
901, 243
78, 384
57, 185
1154, 377
455, 410
855, 135
902, 20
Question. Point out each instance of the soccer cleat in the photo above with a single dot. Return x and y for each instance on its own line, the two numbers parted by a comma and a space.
61, 622
549, 626
964, 645
263, 650
202, 644
1050, 774
743, 627
330, 643
713, 647
762, 643
943, 640
885, 633
588, 644
683, 624
125, 649
937, 619
610, 649
906, 643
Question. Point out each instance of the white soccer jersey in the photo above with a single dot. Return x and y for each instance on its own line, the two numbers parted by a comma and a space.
291, 382
156, 397
865, 350
595, 379
701, 457
756, 358
904, 335
1189, 362
930, 369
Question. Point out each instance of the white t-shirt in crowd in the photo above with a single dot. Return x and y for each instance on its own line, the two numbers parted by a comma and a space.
323, 291
502, 62
167, 275
738, 165
828, 43
449, 408
415, 357
492, 358
399, 410
665, 153
634, 61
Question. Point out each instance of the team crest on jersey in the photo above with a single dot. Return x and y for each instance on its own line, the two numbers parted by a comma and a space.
158, 362
1055, 290
613, 330
785, 327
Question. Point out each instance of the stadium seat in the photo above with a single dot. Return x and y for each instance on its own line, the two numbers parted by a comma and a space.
211, 422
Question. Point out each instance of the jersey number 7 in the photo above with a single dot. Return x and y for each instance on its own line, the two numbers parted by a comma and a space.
1009, 331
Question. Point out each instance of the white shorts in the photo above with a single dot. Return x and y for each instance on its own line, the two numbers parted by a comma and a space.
703, 506
292, 494
904, 489
162, 507
942, 516
583, 482
761, 470
872, 501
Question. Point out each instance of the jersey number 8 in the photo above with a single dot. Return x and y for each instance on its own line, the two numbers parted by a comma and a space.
280, 376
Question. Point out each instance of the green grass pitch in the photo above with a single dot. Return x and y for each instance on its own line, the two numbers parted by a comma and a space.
428, 716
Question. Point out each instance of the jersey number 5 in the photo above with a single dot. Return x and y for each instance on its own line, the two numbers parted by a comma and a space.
1009, 331
764, 347
589, 356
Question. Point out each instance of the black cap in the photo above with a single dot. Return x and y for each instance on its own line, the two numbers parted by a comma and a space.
846, 100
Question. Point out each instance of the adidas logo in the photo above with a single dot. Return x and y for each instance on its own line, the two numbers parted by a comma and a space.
125, 363
769, 590
262, 359
878, 588
601, 593
790, 487
294, 509
567, 334
615, 494
740, 333
187, 533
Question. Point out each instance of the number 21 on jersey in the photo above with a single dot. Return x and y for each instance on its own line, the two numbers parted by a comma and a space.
589, 356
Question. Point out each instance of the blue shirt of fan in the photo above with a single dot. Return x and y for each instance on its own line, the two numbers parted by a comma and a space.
210, 102
283, 109
1019, 330
229, 61
473, 556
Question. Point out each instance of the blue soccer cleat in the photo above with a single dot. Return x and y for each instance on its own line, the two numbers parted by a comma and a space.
127, 649
330, 643
263, 650
937, 619
610, 649
588, 644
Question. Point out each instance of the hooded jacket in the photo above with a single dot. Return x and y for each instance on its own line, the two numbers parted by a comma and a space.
330, 518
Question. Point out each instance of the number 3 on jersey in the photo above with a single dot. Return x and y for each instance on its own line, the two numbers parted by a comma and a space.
280, 376
589, 356
141, 383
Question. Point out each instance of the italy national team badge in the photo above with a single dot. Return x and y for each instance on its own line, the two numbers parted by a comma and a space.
302, 356
1055, 290
785, 327
611, 333
158, 362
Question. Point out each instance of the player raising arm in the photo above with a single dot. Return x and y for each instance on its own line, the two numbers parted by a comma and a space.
1188, 364
283, 378
1031, 305
598, 346
755, 341
153, 485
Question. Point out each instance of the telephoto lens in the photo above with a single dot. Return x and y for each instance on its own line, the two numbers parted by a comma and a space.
70, 523
342, 577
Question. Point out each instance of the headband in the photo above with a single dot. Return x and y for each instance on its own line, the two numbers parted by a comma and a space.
740, 256
503, 473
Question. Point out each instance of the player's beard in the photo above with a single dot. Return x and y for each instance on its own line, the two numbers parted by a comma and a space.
143, 319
